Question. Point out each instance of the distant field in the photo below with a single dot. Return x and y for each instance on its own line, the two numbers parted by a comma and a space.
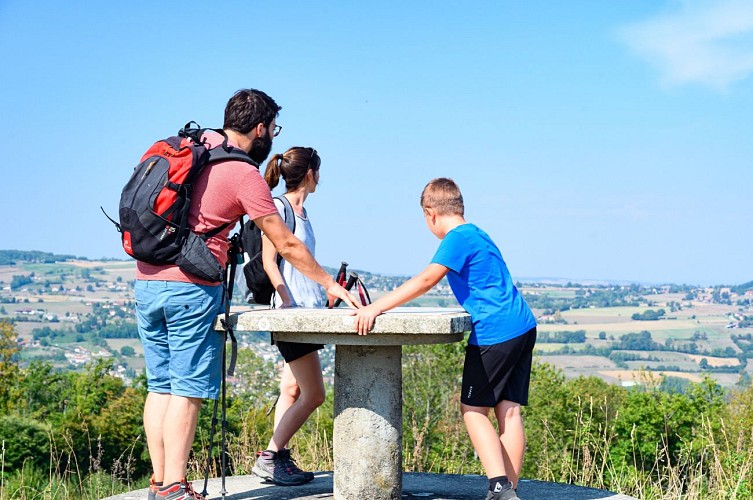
712, 361
554, 293
707, 325
580, 364
702, 323
637, 375
623, 376
118, 343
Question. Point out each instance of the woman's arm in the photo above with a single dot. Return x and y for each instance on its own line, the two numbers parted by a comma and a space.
414, 287
269, 260
295, 252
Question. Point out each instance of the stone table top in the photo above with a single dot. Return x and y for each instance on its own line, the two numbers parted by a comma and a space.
400, 326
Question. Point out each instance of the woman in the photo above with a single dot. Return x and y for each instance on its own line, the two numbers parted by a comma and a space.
301, 384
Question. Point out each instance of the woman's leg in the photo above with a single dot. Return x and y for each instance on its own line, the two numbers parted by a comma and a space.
301, 392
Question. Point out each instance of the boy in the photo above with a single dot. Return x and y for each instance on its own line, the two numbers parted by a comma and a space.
498, 357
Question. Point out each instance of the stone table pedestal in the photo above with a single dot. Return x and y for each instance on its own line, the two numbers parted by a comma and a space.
368, 430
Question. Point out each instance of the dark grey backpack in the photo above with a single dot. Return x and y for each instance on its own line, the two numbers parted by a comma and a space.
260, 289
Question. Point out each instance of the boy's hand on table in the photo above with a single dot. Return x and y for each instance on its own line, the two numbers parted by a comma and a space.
365, 318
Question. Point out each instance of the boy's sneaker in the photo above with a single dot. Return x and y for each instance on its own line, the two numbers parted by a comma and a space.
153, 488
285, 455
269, 466
506, 492
178, 491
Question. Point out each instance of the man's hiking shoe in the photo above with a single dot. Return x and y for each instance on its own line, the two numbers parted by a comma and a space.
284, 455
271, 467
178, 491
153, 488
505, 493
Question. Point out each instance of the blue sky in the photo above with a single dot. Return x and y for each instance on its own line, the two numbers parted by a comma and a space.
591, 139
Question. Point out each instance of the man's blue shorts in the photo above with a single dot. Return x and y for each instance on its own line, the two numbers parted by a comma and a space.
183, 353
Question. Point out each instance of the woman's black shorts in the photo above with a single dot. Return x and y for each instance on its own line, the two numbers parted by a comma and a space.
293, 350
493, 373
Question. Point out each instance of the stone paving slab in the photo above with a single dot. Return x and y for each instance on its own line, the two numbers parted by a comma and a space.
415, 486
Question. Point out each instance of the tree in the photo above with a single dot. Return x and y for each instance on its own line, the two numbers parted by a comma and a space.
127, 351
8, 361
19, 281
432, 424
24, 441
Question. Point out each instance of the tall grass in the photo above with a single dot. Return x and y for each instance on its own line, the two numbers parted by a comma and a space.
65, 478
715, 464
722, 471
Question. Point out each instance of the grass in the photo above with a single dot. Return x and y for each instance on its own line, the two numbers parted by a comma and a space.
723, 471
64, 479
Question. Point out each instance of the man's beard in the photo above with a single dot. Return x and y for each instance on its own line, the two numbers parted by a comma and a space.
260, 148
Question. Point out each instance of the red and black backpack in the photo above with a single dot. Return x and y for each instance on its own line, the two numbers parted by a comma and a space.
154, 204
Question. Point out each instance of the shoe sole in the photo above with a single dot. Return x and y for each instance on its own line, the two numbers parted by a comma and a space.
258, 471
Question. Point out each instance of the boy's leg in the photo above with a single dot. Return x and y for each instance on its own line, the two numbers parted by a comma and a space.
305, 373
485, 439
512, 437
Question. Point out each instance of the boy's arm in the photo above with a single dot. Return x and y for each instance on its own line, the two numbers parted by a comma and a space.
414, 287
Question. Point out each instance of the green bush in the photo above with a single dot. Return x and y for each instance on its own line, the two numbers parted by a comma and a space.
24, 440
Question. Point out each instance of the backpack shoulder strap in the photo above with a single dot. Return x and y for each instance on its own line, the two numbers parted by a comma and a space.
289, 213
219, 154
225, 152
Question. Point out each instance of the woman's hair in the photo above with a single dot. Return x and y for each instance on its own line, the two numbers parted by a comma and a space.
292, 165
443, 195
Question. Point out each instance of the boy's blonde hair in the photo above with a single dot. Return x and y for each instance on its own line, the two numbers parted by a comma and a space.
443, 195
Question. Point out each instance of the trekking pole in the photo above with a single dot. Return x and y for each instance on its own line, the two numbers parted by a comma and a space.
340, 277
223, 460
362, 291
340, 280
234, 255
211, 442
351, 281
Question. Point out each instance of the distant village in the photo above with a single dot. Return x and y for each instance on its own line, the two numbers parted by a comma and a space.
71, 312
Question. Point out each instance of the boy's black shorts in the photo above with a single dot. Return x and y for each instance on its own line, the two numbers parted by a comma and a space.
492, 373
293, 350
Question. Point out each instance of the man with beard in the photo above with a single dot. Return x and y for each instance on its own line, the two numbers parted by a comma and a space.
176, 310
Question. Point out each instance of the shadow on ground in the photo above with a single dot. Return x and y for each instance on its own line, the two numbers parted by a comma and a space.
415, 486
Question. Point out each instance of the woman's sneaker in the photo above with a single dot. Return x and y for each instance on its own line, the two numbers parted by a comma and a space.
271, 467
178, 491
285, 455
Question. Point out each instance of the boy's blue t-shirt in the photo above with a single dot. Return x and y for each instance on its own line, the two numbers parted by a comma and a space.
483, 286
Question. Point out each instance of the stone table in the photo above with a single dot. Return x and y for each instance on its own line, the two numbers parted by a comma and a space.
368, 429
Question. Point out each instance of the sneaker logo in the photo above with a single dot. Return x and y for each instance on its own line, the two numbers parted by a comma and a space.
497, 487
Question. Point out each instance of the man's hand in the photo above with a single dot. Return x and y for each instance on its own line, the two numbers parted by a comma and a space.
336, 291
365, 318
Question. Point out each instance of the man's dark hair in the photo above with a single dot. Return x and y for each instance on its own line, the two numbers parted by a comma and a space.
248, 108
